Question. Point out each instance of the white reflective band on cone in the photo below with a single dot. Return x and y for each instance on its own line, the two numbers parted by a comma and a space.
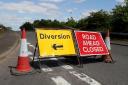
23, 48
107, 41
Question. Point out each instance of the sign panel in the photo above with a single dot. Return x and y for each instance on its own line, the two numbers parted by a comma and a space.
90, 43
55, 42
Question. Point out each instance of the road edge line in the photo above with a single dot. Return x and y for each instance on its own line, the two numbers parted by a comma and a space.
9, 51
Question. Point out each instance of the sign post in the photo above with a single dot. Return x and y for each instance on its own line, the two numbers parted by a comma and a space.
90, 43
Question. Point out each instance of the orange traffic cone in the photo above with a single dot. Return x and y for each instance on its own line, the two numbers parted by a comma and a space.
23, 64
108, 58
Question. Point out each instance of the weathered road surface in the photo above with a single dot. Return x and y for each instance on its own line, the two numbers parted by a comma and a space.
62, 71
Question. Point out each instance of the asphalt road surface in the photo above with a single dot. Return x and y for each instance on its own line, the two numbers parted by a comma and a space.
65, 71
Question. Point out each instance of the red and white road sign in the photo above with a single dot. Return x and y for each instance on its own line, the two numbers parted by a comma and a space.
90, 43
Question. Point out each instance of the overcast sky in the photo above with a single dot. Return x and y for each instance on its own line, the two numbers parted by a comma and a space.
14, 13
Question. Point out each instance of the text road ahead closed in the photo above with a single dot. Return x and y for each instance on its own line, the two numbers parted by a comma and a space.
90, 43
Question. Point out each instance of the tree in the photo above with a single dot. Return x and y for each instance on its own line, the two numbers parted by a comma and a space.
28, 26
82, 23
96, 21
37, 23
120, 18
56, 23
71, 22
47, 23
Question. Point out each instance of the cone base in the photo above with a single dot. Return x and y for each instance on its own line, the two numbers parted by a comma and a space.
23, 64
15, 72
107, 59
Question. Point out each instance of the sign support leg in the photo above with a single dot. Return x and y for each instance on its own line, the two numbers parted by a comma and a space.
111, 56
39, 62
77, 50
79, 60
34, 52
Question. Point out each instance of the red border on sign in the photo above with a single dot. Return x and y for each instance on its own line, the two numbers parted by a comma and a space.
91, 54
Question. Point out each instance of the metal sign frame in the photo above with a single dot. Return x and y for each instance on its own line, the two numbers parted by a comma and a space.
56, 56
77, 51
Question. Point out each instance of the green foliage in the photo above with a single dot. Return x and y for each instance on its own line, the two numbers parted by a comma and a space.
120, 18
28, 26
37, 23
49, 23
116, 20
46, 23
96, 21
71, 22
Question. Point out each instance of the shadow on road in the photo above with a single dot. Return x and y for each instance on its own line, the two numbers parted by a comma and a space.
65, 61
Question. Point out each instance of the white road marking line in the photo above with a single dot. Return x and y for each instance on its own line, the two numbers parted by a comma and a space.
46, 69
49, 59
60, 80
53, 59
30, 53
68, 67
28, 43
85, 78
31, 57
32, 46
35, 59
